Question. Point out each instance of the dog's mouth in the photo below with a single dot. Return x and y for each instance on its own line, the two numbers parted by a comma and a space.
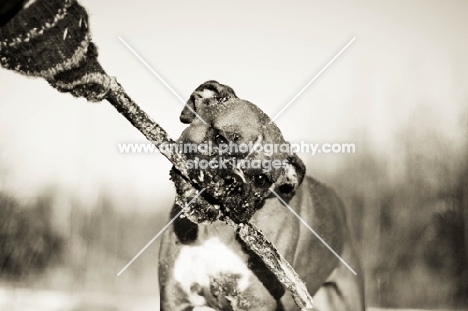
224, 194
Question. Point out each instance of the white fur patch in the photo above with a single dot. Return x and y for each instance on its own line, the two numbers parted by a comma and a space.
195, 265
206, 93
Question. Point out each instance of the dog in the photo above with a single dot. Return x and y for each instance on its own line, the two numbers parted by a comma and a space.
203, 265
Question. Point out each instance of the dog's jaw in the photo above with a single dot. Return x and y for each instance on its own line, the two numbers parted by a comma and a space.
221, 197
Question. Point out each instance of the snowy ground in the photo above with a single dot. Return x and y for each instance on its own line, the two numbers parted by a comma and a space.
42, 300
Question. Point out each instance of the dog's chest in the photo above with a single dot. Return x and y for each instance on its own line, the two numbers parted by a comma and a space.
214, 270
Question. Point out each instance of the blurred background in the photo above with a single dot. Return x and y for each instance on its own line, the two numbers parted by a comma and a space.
74, 211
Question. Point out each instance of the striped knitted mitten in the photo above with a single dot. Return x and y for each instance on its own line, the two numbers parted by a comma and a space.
51, 39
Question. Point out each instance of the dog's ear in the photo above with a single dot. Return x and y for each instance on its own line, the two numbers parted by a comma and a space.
209, 92
291, 178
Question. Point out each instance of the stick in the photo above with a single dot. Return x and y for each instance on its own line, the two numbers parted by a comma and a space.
146, 125
277, 264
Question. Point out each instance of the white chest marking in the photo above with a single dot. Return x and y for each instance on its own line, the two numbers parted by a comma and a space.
195, 265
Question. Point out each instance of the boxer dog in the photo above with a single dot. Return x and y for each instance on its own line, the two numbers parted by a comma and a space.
203, 265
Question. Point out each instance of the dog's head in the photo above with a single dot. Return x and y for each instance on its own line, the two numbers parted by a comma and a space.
235, 153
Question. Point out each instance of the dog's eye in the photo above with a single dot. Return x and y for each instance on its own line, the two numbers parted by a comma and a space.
220, 140
260, 180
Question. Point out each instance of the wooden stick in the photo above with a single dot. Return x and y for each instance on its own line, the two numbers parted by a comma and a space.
277, 264
147, 126
252, 236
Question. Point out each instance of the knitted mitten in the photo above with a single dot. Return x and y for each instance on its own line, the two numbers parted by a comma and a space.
51, 39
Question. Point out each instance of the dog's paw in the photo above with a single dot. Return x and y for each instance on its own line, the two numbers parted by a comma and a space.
203, 308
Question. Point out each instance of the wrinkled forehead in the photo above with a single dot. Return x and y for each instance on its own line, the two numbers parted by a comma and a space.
246, 120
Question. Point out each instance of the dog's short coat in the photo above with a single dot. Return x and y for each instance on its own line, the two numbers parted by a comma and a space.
205, 267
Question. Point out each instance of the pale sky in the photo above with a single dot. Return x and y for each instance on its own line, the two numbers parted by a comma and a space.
408, 63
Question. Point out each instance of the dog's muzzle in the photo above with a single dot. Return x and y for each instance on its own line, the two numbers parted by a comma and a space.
227, 192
